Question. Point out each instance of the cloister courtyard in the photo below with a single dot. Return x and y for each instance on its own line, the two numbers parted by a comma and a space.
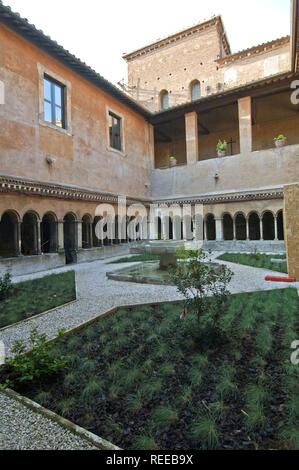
23, 426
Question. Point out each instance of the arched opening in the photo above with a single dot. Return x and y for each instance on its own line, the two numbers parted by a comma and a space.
164, 99
268, 226
254, 226
240, 222
96, 242
70, 238
210, 227
29, 234
86, 232
228, 227
49, 234
195, 90
9, 235
280, 226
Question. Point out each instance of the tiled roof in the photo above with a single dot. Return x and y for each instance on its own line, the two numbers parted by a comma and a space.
252, 51
182, 34
32, 34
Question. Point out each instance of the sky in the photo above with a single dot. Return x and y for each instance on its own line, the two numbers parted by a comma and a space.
99, 32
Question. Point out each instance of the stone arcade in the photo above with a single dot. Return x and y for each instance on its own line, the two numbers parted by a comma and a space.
70, 140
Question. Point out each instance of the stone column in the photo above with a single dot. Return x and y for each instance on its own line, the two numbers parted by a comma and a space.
79, 235
219, 228
247, 228
245, 124
60, 238
191, 137
18, 238
275, 229
38, 238
234, 229
165, 228
261, 228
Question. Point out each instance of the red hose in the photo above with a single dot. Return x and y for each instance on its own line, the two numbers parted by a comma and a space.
280, 279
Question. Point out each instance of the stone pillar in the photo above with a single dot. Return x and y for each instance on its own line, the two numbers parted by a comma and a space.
275, 229
261, 228
177, 228
219, 229
245, 124
234, 229
60, 230
38, 238
191, 137
165, 228
18, 238
247, 228
79, 235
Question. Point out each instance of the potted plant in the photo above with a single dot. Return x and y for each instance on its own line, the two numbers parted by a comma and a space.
172, 161
280, 141
221, 148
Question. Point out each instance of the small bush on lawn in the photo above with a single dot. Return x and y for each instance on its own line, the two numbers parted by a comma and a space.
5, 286
39, 363
204, 287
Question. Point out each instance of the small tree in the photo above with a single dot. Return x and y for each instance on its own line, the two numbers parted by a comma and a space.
204, 286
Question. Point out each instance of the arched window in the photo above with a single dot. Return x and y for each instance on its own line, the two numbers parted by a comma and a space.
29, 231
228, 227
268, 226
240, 222
195, 90
210, 227
164, 99
254, 226
9, 234
86, 231
70, 238
49, 233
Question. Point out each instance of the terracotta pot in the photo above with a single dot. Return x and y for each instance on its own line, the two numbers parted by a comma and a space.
221, 153
280, 143
172, 163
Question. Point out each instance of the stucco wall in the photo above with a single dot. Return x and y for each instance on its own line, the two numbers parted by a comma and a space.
81, 156
291, 214
256, 170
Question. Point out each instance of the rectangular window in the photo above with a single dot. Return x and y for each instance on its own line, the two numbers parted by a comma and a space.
54, 102
115, 128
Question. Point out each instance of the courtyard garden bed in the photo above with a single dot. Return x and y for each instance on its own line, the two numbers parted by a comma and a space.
256, 260
30, 298
143, 378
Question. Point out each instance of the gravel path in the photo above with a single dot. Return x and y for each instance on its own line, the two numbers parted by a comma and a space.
23, 429
20, 428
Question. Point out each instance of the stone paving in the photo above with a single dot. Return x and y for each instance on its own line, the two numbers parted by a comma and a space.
96, 294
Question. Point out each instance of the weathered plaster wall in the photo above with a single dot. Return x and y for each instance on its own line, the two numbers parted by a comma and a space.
81, 156
256, 170
291, 214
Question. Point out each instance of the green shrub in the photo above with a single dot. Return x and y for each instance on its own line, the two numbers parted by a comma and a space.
205, 432
163, 417
39, 363
6, 286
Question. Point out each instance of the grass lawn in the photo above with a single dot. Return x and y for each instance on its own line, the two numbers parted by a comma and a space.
32, 297
256, 260
142, 379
